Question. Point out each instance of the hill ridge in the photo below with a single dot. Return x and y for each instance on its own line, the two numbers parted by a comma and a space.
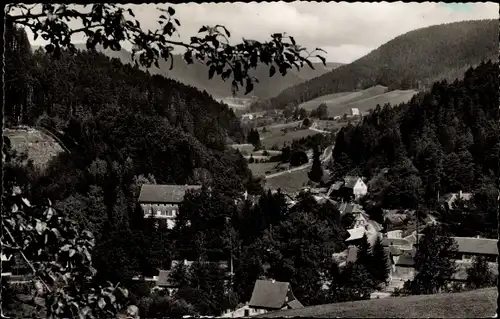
413, 60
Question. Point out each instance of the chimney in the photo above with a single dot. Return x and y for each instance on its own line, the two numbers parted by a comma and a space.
478, 236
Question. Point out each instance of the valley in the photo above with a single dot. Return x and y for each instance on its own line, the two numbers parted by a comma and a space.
359, 189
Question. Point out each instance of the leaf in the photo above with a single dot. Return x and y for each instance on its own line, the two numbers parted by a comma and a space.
56, 232
171, 11
322, 59
310, 64
188, 57
49, 213
131, 12
211, 72
177, 22
226, 74
227, 31
272, 71
39, 301
72, 252
249, 86
85, 311
111, 297
40, 226
101, 303
39, 287
65, 247
123, 291
292, 40
203, 29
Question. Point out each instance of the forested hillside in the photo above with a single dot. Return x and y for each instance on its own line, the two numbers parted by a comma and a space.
410, 61
196, 75
446, 140
121, 114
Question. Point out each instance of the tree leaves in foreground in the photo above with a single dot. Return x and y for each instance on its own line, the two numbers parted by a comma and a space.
110, 25
59, 255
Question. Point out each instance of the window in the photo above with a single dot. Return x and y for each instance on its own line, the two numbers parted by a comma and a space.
172, 212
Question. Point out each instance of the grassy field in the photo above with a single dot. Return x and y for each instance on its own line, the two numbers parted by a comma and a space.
341, 103
279, 138
472, 304
245, 149
289, 182
394, 98
273, 130
333, 100
329, 125
259, 169
39, 147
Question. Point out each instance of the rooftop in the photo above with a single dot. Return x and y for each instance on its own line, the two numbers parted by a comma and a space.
164, 193
471, 245
270, 294
356, 233
350, 181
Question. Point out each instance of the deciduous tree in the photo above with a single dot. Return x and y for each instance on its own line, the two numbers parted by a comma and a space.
110, 25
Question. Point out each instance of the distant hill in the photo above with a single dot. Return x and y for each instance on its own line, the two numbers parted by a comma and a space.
410, 61
196, 75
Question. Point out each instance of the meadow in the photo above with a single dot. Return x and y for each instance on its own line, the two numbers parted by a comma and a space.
341, 103
472, 304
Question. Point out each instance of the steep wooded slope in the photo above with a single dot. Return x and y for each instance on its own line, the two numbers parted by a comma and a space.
412, 60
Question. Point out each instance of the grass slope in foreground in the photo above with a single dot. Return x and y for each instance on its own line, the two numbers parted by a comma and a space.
472, 304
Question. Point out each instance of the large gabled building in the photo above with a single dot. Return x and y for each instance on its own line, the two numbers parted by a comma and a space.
162, 201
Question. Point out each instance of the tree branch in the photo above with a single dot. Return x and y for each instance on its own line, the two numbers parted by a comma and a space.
26, 259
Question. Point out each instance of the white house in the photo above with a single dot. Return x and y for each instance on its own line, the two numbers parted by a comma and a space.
354, 112
162, 201
359, 188
247, 116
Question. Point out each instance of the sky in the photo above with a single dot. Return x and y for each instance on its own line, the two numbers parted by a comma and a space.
347, 31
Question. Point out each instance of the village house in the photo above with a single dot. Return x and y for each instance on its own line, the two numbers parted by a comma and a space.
163, 281
351, 188
371, 229
449, 199
162, 201
355, 112
267, 295
271, 295
402, 255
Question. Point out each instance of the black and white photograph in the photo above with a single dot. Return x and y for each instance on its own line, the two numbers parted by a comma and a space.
262, 159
